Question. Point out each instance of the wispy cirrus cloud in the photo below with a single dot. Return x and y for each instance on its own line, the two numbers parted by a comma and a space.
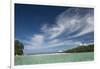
71, 20
69, 25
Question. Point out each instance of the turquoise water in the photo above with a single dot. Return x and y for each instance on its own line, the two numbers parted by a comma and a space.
53, 58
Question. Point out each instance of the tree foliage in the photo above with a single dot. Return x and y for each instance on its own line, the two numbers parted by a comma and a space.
89, 48
18, 47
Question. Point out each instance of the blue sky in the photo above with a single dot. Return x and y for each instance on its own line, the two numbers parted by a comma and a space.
52, 28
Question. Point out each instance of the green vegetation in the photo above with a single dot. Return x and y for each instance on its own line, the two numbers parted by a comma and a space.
18, 48
88, 48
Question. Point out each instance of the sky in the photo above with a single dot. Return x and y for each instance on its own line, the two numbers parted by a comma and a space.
46, 29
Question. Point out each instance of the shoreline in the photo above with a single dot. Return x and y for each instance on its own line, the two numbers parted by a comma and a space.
51, 54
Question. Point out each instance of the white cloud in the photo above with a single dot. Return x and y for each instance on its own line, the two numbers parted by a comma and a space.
53, 31
67, 22
87, 27
70, 21
55, 41
76, 21
38, 39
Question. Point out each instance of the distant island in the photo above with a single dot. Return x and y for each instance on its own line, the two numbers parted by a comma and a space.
79, 49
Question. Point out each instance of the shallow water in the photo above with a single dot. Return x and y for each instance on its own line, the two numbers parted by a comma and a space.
53, 58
